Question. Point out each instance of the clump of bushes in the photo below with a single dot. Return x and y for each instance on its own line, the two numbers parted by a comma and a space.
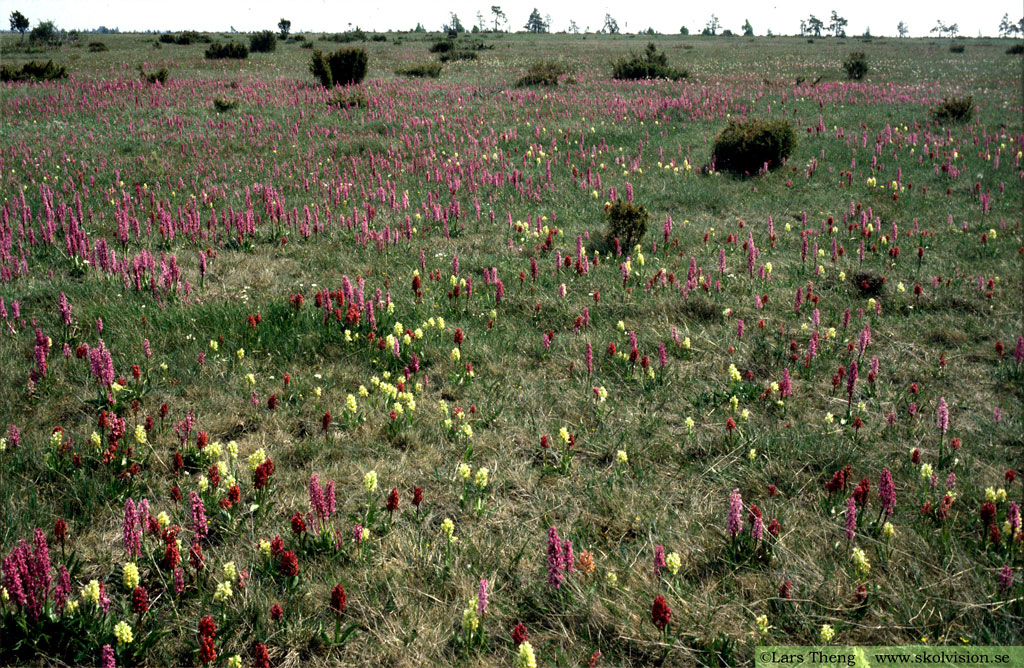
442, 46
956, 48
349, 98
357, 35
856, 65
954, 110
222, 105
33, 71
652, 64
184, 38
627, 223
432, 70
96, 47
263, 42
745, 147
160, 75
542, 73
1015, 50
219, 51
343, 67
460, 54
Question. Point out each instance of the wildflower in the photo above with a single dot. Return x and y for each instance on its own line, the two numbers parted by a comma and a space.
223, 592
264, 547
481, 597
338, 599
130, 575
456, 355
735, 508
611, 578
860, 562
230, 572
556, 561
463, 471
480, 479
762, 625
926, 471
621, 457
519, 634
942, 419
140, 434
887, 493
673, 563
470, 619
123, 633
370, 482
661, 613
91, 592
851, 518
734, 374
888, 530
448, 529
240, 353
826, 634
107, 657
235, 661
690, 424
525, 657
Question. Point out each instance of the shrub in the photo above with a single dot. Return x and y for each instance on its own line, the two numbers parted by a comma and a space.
33, 71
747, 147
45, 32
460, 54
379, 38
184, 38
955, 110
442, 46
432, 70
956, 48
356, 35
222, 105
1015, 50
652, 64
542, 73
219, 51
856, 65
343, 67
96, 47
627, 222
263, 42
160, 75
349, 98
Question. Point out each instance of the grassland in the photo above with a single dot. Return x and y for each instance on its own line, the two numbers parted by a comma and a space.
175, 225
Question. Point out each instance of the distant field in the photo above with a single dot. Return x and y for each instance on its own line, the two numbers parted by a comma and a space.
793, 409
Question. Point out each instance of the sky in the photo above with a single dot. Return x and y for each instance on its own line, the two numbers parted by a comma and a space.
881, 16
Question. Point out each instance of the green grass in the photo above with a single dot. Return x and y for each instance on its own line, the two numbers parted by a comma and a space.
415, 138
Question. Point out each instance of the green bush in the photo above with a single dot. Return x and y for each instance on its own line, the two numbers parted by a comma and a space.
222, 105
627, 222
542, 73
460, 54
263, 42
357, 35
96, 47
343, 67
956, 48
652, 64
184, 38
745, 147
432, 70
1015, 50
954, 110
442, 46
218, 51
349, 98
33, 71
160, 75
856, 65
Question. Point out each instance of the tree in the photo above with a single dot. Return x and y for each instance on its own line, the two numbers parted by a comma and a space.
748, 30
535, 23
19, 22
454, 24
684, 31
940, 28
712, 26
803, 28
573, 27
837, 25
815, 26
953, 30
611, 26
480, 25
45, 31
902, 29
499, 16
285, 26
419, 28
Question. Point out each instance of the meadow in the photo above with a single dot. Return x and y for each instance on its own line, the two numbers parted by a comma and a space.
290, 381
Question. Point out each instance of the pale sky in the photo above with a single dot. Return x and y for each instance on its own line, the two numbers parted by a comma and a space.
666, 17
